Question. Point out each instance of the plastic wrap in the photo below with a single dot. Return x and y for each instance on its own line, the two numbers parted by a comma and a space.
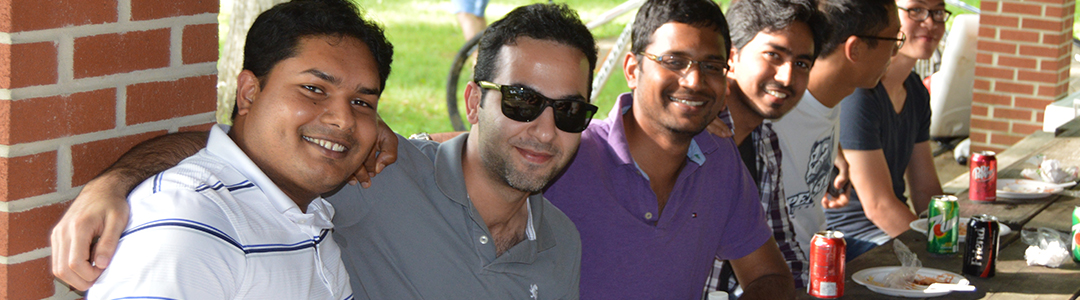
1048, 247
1049, 170
909, 265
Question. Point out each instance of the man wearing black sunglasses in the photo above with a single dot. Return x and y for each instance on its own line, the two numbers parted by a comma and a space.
654, 197
466, 219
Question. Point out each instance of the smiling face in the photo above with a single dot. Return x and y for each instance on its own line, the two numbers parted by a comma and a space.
923, 36
772, 70
680, 102
526, 155
312, 121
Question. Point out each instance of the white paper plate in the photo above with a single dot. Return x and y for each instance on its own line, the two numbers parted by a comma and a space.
920, 226
1025, 189
873, 279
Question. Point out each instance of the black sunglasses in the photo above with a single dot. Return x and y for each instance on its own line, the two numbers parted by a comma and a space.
525, 105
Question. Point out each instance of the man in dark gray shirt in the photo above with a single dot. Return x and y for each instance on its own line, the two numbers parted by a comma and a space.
461, 220
466, 219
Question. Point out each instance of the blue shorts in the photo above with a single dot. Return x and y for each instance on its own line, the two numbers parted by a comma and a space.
474, 7
856, 247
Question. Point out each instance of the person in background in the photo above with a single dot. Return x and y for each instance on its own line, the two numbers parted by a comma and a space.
470, 16
855, 55
243, 217
774, 44
886, 138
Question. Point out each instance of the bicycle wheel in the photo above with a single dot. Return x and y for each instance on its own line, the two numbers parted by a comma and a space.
452, 82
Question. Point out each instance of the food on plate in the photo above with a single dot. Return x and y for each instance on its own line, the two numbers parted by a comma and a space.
922, 280
1024, 189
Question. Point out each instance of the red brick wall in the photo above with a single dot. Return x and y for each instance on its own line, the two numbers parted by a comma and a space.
1022, 65
81, 81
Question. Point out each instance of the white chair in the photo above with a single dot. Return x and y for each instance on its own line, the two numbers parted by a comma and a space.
951, 87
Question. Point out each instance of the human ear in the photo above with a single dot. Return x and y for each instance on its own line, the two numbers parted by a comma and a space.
247, 89
473, 95
630, 70
853, 48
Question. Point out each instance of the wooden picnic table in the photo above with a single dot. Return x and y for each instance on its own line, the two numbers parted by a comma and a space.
1014, 278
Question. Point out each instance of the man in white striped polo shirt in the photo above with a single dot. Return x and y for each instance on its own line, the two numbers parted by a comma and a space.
243, 218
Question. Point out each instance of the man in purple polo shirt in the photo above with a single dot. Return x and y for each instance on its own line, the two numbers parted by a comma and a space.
654, 197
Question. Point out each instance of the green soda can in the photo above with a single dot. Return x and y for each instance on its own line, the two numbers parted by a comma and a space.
943, 225
1076, 234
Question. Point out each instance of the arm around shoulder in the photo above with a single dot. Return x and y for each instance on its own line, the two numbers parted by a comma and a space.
100, 210
171, 254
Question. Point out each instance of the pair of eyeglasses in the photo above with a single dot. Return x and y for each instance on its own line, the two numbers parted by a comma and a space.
679, 63
899, 40
525, 105
920, 14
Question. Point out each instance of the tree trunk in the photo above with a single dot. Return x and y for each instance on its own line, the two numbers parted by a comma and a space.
243, 13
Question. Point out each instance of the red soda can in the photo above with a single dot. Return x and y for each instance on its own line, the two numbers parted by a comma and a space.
983, 242
983, 188
827, 258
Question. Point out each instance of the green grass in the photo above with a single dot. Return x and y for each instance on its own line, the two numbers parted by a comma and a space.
426, 38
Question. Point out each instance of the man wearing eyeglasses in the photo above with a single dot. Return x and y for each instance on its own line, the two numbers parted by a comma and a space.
654, 197
774, 44
886, 138
464, 219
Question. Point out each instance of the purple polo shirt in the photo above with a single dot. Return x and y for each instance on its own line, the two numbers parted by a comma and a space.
629, 251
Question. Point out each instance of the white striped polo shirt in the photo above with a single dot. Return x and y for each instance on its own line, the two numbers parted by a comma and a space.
215, 227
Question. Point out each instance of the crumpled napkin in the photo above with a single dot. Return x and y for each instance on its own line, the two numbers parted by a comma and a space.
1050, 170
1048, 248
909, 264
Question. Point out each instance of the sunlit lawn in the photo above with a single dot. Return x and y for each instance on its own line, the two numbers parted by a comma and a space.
426, 38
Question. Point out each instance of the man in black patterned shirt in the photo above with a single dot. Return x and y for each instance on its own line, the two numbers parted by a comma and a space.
774, 45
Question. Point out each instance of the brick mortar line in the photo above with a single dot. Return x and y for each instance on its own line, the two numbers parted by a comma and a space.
1040, 17
1025, 43
65, 167
108, 81
123, 10
25, 204
176, 46
63, 292
170, 125
123, 26
1035, 84
25, 256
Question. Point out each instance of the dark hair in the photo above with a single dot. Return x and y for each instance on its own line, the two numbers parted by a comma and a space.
854, 17
697, 13
554, 22
276, 34
749, 17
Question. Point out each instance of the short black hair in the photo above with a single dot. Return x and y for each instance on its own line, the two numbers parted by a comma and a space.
553, 22
854, 17
277, 32
749, 17
697, 13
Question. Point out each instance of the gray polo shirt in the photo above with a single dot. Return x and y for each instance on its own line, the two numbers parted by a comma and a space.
415, 235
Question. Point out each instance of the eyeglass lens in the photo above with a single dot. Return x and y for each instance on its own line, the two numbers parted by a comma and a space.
524, 105
682, 64
920, 14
